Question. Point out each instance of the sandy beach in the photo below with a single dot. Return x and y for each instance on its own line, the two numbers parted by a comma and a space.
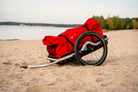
119, 72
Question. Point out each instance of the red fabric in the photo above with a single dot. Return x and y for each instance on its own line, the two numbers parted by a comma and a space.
58, 46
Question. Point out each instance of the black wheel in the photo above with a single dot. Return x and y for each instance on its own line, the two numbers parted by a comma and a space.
91, 55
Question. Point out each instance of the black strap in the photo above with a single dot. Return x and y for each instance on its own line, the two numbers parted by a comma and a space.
67, 39
92, 38
86, 27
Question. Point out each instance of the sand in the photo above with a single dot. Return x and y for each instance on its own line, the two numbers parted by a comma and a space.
119, 72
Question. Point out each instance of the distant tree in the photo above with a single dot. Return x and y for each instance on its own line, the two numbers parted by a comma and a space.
130, 25
126, 22
120, 24
100, 19
135, 24
117, 23
108, 24
135, 19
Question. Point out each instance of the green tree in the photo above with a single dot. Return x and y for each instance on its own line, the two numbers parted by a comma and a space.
117, 23
130, 25
100, 19
135, 24
108, 24
126, 22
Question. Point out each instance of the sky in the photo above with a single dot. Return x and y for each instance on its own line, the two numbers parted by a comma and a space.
64, 11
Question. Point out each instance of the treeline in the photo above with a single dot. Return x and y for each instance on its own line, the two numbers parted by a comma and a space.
116, 23
110, 23
38, 24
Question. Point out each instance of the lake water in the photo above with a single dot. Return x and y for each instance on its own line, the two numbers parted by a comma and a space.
28, 32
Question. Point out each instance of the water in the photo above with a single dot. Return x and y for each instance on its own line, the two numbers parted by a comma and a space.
28, 32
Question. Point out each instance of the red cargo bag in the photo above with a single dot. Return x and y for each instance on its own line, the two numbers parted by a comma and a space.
63, 44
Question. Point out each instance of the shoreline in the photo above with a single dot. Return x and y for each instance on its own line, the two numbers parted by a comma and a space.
104, 31
27, 26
